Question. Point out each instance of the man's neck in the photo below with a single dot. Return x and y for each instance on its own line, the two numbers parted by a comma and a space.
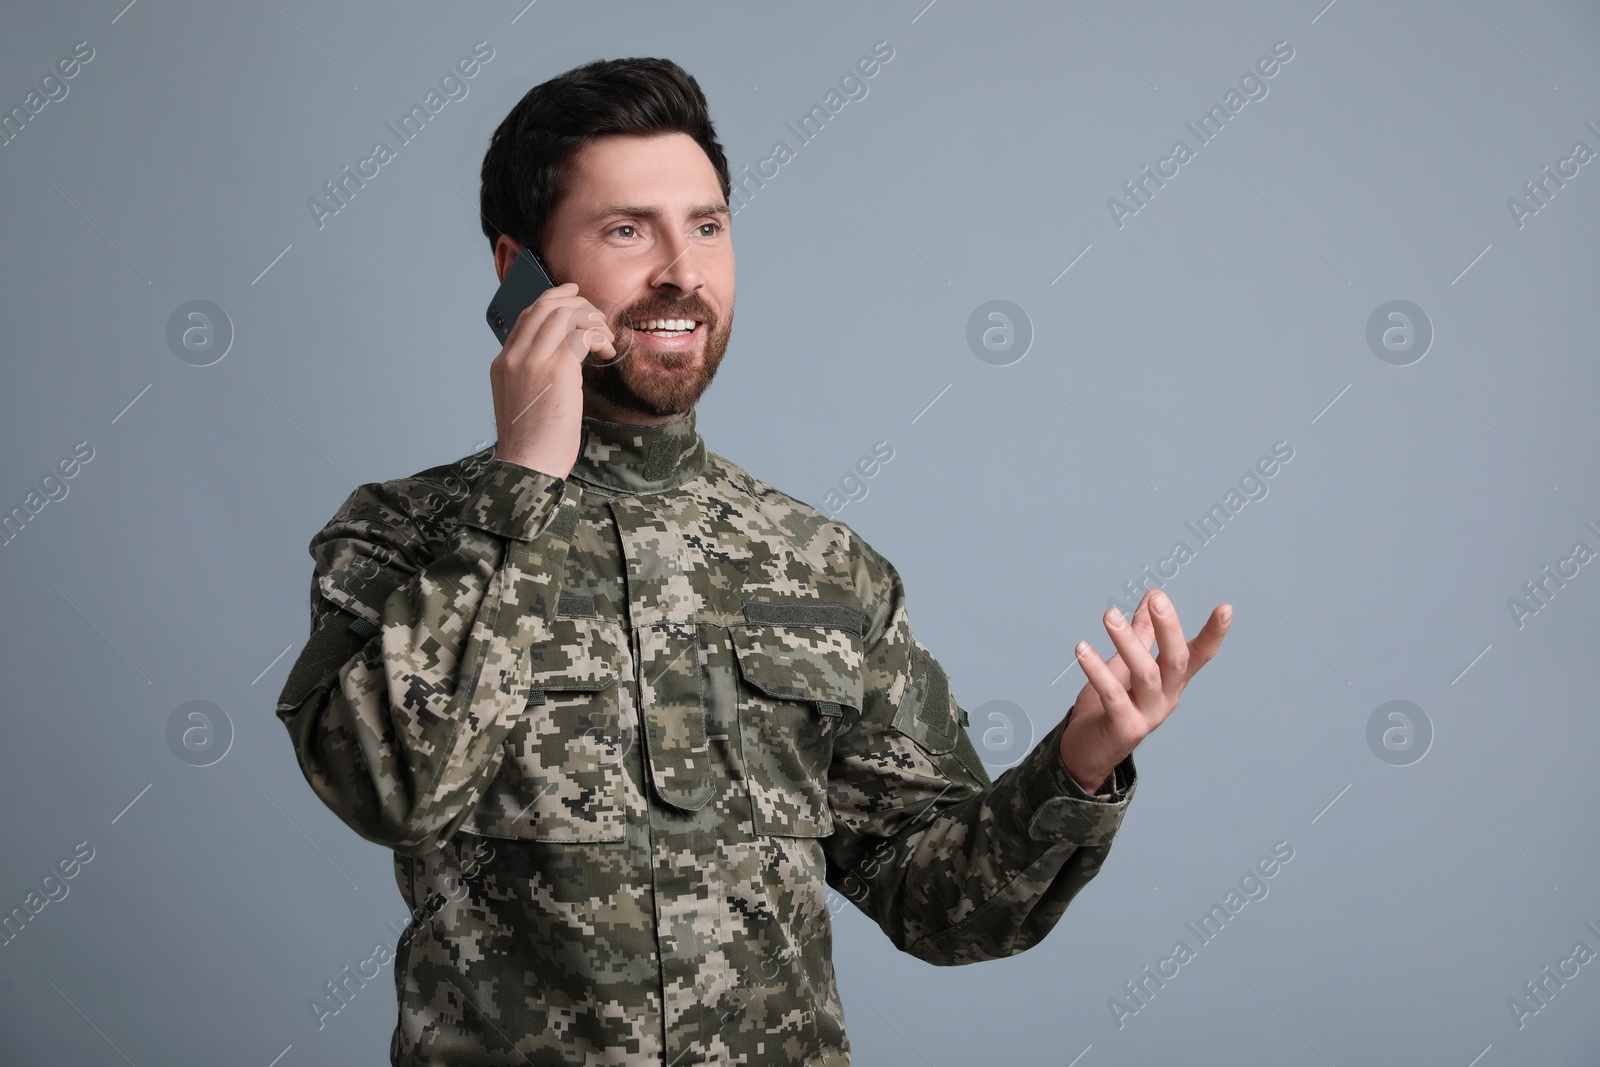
598, 407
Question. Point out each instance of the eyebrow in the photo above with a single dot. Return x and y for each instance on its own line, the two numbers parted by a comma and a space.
716, 210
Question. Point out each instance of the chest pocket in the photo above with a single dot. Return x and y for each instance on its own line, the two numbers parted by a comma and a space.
800, 685
562, 776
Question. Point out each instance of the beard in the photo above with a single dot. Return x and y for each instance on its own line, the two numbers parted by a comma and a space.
654, 383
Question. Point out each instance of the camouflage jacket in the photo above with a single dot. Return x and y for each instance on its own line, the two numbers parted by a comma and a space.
623, 730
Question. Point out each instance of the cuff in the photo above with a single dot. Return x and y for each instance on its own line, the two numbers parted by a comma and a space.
516, 502
1062, 810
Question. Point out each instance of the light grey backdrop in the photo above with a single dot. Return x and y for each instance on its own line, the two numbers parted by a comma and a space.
1171, 349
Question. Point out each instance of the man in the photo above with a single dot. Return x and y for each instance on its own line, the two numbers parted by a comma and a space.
624, 712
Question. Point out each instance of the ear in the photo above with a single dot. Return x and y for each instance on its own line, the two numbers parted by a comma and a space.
505, 252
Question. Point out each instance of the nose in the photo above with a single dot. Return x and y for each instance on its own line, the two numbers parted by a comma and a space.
680, 271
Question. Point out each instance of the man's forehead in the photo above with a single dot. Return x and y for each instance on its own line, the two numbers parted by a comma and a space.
664, 175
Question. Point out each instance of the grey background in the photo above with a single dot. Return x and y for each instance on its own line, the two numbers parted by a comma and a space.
1229, 314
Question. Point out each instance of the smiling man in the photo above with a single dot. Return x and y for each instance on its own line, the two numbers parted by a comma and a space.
624, 712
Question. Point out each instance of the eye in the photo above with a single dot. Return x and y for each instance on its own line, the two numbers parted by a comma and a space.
714, 227
624, 226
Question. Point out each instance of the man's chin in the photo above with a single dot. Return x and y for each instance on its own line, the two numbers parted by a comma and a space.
657, 384
652, 397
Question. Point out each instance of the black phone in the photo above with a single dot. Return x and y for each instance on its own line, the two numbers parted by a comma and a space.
526, 279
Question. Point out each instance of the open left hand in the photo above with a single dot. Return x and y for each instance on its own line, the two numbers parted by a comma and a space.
1109, 718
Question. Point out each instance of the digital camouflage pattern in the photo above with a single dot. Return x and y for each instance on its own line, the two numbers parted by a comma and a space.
653, 710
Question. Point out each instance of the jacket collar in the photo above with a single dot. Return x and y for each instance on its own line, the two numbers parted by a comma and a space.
639, 459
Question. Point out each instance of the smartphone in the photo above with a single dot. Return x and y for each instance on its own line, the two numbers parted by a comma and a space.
526, 279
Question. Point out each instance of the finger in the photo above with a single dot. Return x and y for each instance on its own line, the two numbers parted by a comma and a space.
519, 342
550, 335
590, 333
1143, 627
1113, 697
599, 342
599, 337
1144, 631
566, 293
1174, 657
1206, 642
531, 317
1144, 677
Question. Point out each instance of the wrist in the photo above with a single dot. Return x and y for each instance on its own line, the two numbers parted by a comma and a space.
536, 462
1090, 778
1083, 779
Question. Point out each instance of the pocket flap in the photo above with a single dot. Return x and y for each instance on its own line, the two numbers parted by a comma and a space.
801, 663
562, 777
578, 656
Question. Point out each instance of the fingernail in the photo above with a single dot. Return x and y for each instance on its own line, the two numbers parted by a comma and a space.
1227, 614
1082, 649
1114, 619
1159, 603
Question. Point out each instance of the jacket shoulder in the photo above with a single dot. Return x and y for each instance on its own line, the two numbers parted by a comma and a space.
810, 530
416, 511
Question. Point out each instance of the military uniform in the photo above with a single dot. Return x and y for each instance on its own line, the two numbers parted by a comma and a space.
623, 729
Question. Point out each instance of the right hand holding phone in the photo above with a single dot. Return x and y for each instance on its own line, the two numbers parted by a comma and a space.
538, 380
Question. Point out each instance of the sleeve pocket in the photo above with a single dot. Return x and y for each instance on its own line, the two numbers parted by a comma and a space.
928, 713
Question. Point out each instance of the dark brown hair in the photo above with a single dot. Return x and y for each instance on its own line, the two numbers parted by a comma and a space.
524, 169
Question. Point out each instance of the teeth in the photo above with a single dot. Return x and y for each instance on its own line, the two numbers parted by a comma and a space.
667, 324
